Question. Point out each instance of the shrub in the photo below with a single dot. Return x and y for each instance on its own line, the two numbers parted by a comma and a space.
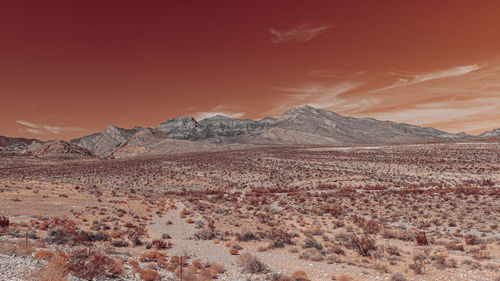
471, 239
398, 277
299, 276
233, 251
312, 243
344, 277
421, 239
55, 270
152, 256
45, 255
4, 221
279, 238
251, 264
363, 245
120, 243
372, 227
247, 236
89, 264
160, 244
149, 275
205, 234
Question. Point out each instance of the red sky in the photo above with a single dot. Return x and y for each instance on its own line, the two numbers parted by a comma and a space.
70, 68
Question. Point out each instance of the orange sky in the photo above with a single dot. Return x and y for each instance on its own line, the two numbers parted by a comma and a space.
70, 68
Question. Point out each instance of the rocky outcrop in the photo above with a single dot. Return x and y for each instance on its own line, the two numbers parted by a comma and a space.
104, 143
61, 148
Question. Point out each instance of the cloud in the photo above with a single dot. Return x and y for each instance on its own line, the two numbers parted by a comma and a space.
408, 79
301, 33
332, 74
316, 95
27, 124
205, 115
34, 131
38, 129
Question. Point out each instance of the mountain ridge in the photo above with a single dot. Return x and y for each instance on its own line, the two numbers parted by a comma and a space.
304, 125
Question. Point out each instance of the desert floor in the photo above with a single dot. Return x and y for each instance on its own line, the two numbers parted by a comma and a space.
403, 212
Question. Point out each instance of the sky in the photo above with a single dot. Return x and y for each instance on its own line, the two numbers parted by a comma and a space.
70, 68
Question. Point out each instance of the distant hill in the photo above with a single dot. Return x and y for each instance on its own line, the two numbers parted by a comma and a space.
61, 148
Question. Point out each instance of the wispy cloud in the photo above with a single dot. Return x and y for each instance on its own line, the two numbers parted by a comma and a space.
408, 79
28, 124
301, 33
38, 129
316, 95
335, 74
34, 131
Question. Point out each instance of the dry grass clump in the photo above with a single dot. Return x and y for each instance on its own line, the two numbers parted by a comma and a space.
251, 264
152, 256
149, 274
299, 276
55, 270
84, 263
44, 254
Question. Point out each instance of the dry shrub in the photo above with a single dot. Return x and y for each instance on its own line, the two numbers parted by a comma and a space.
89, 264
251, 264
152, 256
344, 277
421, 239
44, 254
133, 263
299, 276
160, 244
184, 213
454, 247
398, 277
418, 264
197, 263
55, 270
149, 275
363, 245
471, 239
4, 221
233, 251
312, 254
189, 220
372, 227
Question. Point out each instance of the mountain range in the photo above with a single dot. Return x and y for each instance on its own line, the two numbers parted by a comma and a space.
303, 125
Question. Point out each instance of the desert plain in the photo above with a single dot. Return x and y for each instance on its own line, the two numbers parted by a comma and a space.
392, 212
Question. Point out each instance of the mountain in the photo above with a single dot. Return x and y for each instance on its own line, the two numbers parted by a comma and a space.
148, 142
16, 144
303, 125
218, 128
104, 143
61, 148
491, 134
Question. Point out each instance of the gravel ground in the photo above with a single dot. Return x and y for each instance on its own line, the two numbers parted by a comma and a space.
14, 268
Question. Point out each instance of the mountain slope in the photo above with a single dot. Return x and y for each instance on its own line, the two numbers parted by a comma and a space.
16, 144
491, 134
147, 142
104, 143
61, 148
